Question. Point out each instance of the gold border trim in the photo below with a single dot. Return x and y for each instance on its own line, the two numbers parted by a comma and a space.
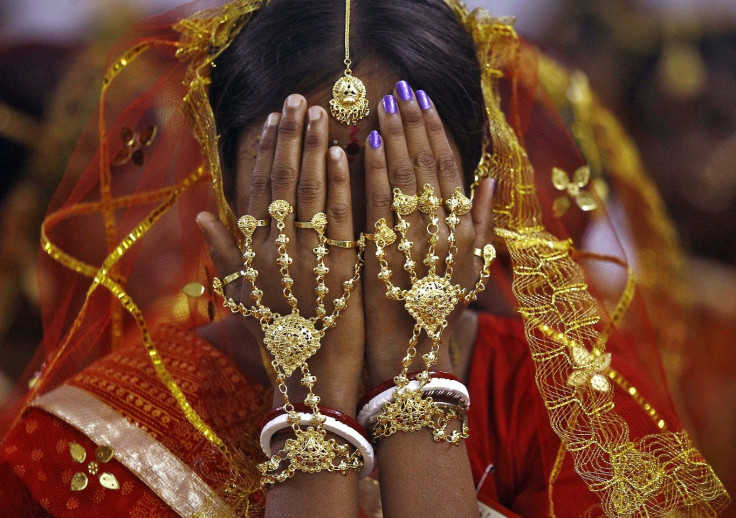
172, 480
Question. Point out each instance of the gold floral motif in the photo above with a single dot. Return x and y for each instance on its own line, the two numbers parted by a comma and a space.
134, 143
410, 412
292, 340
349, 103
573, 189
103, 455
590, 367
430, 300
310, 452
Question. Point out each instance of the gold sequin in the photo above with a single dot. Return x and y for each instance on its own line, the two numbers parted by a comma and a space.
193, 290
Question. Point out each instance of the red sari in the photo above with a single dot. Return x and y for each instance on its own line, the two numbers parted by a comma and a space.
164, 467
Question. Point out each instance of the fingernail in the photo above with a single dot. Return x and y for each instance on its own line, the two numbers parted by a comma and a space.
423, 100
389, 104
203, 217
336, 152
273, 119
293, 101
494, 185
404, 91
314, 113
374, 139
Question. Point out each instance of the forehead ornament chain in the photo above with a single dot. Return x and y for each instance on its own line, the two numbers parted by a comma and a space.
349, 103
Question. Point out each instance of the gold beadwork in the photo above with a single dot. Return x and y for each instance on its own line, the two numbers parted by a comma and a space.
429, 301
349, 103
293, 339
410, 412
310, 452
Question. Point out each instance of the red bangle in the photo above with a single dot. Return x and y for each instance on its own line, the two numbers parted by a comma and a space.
411, 376
331, 412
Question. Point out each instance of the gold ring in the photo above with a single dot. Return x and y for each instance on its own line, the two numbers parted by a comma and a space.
341, 244
303, 224
369, 237
487, 253
232, 277
263, 222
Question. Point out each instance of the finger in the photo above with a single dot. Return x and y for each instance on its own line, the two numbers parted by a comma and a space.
447, 171
400, 170
482, 214
311, 189
258, 189
417, 143
223, 250
287, 158
339, 209
377, 185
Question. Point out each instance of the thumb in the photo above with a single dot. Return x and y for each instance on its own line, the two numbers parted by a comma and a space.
224, 251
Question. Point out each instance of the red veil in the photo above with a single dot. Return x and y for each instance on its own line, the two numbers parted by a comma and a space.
123, 268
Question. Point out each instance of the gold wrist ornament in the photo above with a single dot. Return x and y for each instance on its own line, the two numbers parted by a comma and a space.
349, 103
292, 339
429, 300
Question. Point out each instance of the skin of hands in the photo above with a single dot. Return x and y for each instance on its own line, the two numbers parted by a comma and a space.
293, 161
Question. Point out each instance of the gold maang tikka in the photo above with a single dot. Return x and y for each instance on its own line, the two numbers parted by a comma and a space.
349, 103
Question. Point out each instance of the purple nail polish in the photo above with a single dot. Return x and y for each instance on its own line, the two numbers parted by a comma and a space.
374, 139
423, 100
389, 104
404, 91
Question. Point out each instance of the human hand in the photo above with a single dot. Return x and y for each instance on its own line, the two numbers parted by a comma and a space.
295, 165
415, 151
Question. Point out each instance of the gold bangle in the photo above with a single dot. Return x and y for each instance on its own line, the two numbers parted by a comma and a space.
340, 243
232, 277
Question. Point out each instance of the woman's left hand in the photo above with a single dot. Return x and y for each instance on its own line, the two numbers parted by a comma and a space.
414, 151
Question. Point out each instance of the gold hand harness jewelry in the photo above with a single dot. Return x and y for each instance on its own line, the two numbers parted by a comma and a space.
292, 339
429, 300
349, 103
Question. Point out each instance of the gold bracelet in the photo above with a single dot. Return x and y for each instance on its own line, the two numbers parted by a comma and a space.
410, 412
310, 452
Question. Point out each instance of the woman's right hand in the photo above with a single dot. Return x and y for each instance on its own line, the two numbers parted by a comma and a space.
289, 164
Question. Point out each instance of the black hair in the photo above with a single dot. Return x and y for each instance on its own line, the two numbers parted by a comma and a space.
297, 46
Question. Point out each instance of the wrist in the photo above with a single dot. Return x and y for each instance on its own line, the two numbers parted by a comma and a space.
342, 395
381, 370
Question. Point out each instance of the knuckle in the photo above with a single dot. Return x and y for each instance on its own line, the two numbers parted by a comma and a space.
413, 118
282, 174
395, 131
447, 167
289, 128
424, 160
259, 186
309, 191
434, 125
381, 199
267, 143
338, 212
403, 176
313, 141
